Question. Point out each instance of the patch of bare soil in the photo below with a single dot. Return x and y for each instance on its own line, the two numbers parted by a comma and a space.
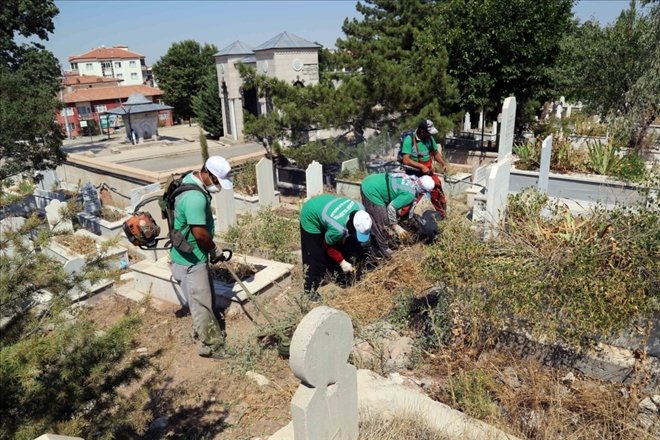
205, 398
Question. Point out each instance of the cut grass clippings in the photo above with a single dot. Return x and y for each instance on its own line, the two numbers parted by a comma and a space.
79, 244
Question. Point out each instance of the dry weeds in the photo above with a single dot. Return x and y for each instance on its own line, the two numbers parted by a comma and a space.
373, 296
79, 244
402, 426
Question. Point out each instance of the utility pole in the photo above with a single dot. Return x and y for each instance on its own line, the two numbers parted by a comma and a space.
66, 113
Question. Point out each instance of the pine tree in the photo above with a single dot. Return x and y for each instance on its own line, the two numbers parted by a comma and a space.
208, 106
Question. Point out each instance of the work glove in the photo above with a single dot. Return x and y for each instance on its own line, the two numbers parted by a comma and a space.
216, 255
346, 267
400, 232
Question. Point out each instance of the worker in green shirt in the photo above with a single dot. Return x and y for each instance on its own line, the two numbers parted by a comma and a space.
418, 151
387, 197
326, 222
192, 214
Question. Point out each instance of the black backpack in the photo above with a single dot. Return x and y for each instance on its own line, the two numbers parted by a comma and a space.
174, 187
415, 152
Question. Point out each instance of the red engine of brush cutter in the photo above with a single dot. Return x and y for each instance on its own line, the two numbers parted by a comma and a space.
141, 230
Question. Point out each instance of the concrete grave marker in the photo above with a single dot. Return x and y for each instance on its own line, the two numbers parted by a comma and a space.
351, 164
494, 129
74, 266
325, 406
12, 224
481, 174
568, 110
106, 197
137, 193
265, 185
498, 190
544, 171
225, 210
467, 125
314, 174
480, 123
49, 178
55, 218
508, 125
560, 109
91, 200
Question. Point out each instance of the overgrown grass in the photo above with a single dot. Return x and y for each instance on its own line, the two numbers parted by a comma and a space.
267, 235
352, 175
569, 277
245, 181
408, 426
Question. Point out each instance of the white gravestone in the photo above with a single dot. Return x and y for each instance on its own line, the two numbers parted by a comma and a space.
569, 108
55, 221
225, 210
481, 174
544, 171
480, 124
559, 110
467, 125
314, 174
351, 164
137, 193
265, 185
48, 180
498, 190
494, 130
325, 406
508, 125
12, 224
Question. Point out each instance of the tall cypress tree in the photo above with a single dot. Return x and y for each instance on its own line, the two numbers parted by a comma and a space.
208, 106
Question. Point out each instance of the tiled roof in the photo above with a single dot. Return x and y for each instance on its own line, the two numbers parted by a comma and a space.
103, 93
105, 53
87, 79
286, 40
236, 48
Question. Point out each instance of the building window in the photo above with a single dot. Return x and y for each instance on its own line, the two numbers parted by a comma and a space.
100, 108
84, 111
117, 65
134, 76
74, 66
89, 66
131, 64
106, 65
72, 126
67, 111
120, 76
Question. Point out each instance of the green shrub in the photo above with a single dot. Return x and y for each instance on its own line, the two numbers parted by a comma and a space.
529, 154
632, 166
603, 158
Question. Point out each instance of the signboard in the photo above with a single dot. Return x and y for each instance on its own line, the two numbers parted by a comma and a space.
83, 123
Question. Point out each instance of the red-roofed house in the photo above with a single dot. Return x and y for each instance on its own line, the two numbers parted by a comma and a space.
114, 62
88, 97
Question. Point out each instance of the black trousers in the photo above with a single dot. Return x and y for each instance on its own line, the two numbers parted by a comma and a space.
316, 260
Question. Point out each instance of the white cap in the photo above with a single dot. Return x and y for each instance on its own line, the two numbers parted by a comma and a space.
362, 223
427, 183
220, 168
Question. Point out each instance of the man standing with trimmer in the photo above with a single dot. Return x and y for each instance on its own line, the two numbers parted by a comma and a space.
418, 151
194, 218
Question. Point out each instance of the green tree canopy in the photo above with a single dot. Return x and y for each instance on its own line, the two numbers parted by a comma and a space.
181, 73
500, 48
207, 106
30, 138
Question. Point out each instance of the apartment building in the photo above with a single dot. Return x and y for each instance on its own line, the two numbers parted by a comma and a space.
115, 62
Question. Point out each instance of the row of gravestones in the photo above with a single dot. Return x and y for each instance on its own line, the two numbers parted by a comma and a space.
467, 124
497, 176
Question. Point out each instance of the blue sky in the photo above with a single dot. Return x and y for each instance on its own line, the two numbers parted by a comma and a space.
150, 27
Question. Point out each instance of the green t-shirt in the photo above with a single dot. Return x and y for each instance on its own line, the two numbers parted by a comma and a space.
327, 214
424, 148
192, 209
382, 189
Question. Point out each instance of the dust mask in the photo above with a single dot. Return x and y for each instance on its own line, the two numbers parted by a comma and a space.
212, 189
